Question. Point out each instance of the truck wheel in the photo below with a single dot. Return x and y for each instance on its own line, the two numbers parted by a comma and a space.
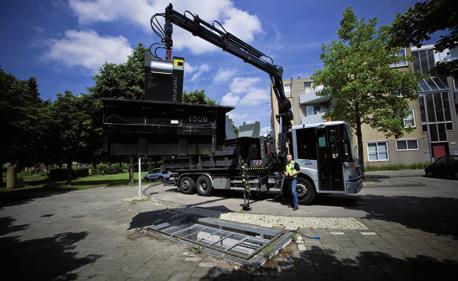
204, 186
305, 191
186, 185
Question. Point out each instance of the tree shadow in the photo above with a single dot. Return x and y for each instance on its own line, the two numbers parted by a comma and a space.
18, 197
6, 226
374, 178
190, 213
437, 215
323, 264
42, 258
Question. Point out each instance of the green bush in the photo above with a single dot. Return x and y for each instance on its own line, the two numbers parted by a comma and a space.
105, 169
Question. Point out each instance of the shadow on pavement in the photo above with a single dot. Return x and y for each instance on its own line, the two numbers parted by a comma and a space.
18, 197
6, 226
318, 264
145, 219
42, 258
437, 215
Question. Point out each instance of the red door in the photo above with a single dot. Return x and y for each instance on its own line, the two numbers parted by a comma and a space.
439, 150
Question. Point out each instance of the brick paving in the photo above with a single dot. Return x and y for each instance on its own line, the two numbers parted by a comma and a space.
409, 233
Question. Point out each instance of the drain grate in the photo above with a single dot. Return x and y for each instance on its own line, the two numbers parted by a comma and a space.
241, 243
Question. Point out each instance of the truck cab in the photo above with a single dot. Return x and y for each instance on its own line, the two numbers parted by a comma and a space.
325, 154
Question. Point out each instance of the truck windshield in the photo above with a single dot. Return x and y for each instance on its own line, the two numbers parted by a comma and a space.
348, 144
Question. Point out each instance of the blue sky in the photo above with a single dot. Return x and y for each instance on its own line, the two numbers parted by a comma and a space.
63, 42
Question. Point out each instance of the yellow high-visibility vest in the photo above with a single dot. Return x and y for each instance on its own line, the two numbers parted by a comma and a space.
290, 168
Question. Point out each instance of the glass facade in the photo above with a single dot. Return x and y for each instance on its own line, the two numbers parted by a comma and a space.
436, 115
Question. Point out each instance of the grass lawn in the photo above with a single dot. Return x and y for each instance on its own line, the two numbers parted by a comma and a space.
40, 182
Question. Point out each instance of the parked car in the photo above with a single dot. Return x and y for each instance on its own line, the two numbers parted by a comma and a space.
157, 174
444, 167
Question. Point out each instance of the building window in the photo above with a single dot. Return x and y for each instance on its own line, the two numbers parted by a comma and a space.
409, 121
436, 115
423, 61
377, 151
287, 89
308, 87
402, 62
406, 145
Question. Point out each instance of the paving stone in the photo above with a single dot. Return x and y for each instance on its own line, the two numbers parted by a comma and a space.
207, 264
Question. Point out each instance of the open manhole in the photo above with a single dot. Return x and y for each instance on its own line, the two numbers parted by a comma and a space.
241, 243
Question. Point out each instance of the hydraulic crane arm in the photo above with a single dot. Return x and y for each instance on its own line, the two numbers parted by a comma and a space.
218, 36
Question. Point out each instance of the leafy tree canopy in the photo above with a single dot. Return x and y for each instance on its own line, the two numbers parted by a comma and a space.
424, 19
125, 80
197, 97
357, 75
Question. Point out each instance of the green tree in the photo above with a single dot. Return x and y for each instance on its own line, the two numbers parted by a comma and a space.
357, 76
76, 128
197, 97
24, 121
125, 80
422, 20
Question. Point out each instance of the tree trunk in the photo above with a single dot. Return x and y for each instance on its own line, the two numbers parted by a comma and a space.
1, 174
131, 171
359, 136
69, 173
11, 176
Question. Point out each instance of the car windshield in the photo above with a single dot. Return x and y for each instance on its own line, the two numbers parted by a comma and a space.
155, 171
164, 172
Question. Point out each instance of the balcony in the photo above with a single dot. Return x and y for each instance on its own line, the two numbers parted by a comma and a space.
313, 118
312, 97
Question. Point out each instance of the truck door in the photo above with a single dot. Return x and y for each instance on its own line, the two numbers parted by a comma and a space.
329, 158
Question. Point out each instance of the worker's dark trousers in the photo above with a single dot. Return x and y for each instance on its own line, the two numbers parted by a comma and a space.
289, 192
293, 185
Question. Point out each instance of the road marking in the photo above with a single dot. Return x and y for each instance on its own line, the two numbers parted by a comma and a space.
193, 259
337, 233
368, 233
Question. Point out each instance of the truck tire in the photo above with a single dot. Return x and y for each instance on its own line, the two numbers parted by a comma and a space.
204, 186
186, 185
305, 191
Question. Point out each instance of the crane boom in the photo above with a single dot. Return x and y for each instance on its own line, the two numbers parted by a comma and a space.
235, 46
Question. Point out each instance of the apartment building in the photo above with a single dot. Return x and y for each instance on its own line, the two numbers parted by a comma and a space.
432, 118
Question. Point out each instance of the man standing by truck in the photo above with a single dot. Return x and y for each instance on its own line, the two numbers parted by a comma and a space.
291, 171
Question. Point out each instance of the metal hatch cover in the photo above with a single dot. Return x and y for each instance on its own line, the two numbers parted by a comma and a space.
240, 243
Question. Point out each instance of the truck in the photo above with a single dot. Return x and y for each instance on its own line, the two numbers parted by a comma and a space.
193, 140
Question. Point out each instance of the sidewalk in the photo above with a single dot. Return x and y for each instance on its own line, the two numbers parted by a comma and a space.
394, 178
397, 174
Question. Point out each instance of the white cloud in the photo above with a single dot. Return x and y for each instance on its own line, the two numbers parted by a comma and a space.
230, 99
188, 69
255, 97
196, 71
88, 49
243, 84
239, 22
245, 91
238, 117
265, 131
224, 74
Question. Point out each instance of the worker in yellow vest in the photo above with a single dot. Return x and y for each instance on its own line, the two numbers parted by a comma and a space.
291, 171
